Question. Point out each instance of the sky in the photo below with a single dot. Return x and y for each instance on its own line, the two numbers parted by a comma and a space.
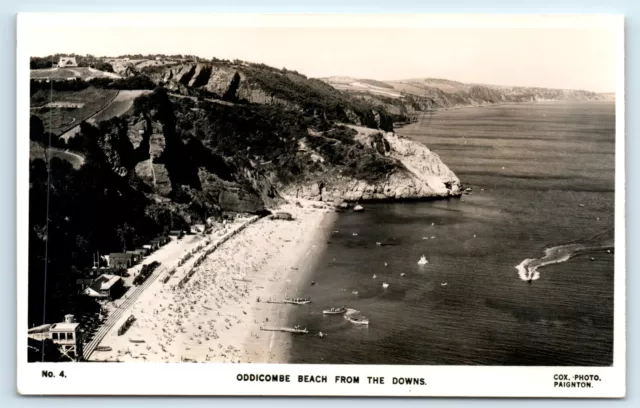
552, 57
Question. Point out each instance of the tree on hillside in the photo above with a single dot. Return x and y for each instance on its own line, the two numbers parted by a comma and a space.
125, 235
36, 129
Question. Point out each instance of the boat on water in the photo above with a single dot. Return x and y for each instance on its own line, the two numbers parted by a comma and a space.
361, 320
335, 310
358, 208
385, 285
297, 301
423, 260
355, 292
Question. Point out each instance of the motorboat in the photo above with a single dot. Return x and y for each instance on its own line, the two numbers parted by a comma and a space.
335, 310
385, 285
423, 260
361, 320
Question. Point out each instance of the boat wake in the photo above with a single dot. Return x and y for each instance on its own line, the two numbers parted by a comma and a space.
351, 312
528, 269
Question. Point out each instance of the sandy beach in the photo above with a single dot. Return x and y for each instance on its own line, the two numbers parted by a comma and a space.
217, 314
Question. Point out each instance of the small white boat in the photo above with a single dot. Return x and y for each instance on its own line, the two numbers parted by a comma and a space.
378, 243
402, 274
443, 284
358, 208
423, 261
358, 320
425, 237
355, 234
385, 285
385, 264
355, 292
374, 276
335, 310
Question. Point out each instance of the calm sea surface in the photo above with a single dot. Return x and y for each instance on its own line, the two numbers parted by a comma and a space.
547, 171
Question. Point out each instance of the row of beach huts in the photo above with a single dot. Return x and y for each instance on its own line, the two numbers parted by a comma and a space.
104, 280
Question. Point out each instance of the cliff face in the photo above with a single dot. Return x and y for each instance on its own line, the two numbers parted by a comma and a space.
260, 84
418, 173
246, 167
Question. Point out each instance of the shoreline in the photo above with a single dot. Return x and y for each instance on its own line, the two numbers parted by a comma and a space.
399, 125
217, 314
310, 244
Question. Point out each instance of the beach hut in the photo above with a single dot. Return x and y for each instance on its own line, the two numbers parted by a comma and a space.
83, 283
120, 260
105, 287
135, 256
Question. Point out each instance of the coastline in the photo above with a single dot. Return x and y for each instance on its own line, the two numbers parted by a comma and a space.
216, 316
399, 125
291, 267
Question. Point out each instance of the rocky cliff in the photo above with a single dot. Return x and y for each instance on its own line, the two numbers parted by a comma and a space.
416, 173
261, 84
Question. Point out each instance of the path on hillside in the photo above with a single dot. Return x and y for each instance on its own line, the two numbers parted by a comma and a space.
195, 99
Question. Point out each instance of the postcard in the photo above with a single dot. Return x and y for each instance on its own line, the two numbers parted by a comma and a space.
321, 205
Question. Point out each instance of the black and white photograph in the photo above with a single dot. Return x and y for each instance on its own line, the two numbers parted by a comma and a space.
316, 194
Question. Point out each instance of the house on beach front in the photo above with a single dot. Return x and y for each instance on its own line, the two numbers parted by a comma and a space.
121, 260
65, 335
105, 287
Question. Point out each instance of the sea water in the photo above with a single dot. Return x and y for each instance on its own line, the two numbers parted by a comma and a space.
542, 175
